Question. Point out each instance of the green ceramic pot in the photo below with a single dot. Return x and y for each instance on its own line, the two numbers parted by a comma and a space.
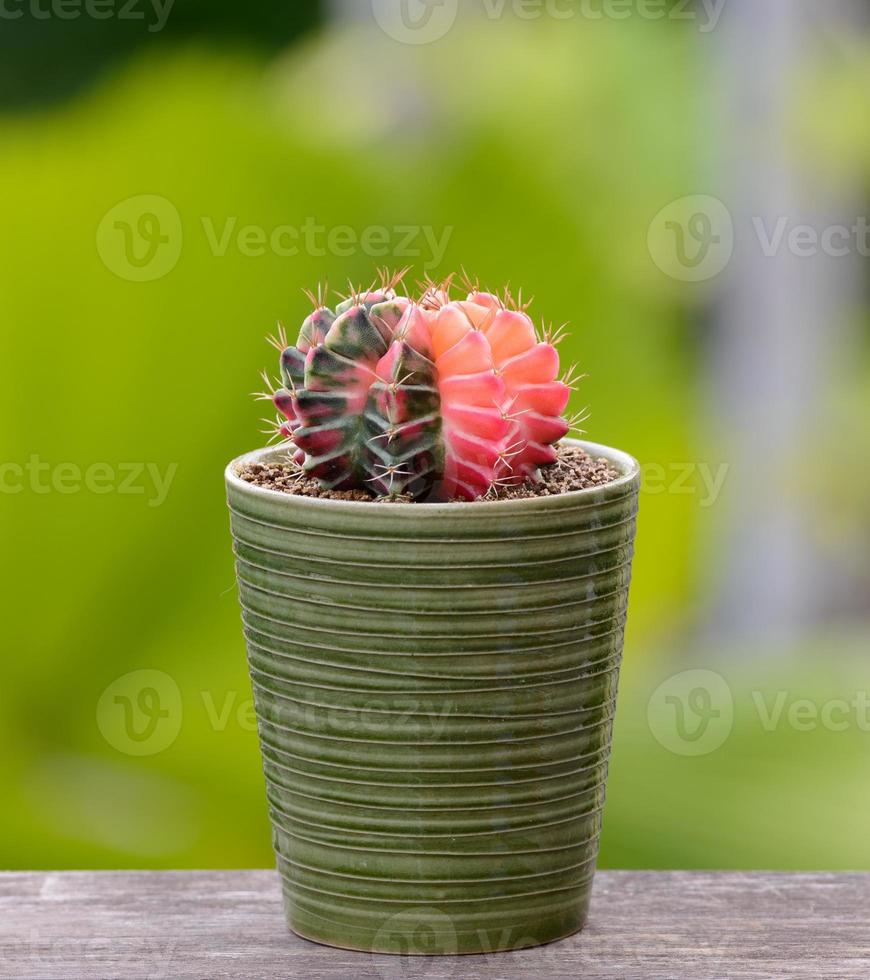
435, 688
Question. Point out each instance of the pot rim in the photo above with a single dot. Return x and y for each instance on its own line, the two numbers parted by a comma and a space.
622, 461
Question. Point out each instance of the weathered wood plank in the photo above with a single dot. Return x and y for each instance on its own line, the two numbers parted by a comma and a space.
223, 924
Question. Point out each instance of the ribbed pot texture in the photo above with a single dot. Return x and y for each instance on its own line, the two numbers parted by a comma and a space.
435, 688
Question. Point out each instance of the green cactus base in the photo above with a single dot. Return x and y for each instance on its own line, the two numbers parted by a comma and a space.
435, 688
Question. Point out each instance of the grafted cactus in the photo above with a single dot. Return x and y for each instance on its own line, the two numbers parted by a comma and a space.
402, 419
327, 377
313, 333
533, 399
475, 428
435, 400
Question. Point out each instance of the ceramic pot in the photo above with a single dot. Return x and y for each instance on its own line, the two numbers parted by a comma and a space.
435, 686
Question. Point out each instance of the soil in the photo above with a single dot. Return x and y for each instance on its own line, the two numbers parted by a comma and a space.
574, 470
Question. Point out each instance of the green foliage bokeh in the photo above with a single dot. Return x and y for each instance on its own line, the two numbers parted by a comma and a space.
98, 369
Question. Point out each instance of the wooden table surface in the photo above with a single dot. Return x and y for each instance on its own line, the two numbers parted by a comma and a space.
648, 925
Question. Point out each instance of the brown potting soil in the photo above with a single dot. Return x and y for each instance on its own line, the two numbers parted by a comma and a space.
575, 469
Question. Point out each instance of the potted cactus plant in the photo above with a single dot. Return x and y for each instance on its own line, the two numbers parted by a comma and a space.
434, 584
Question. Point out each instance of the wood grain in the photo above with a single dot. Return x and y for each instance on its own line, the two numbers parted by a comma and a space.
222, 924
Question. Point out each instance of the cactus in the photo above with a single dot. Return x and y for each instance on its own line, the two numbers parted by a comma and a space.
326, 381
434, 399
534, 398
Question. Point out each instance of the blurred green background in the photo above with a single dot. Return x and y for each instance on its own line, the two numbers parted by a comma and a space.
148, 181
